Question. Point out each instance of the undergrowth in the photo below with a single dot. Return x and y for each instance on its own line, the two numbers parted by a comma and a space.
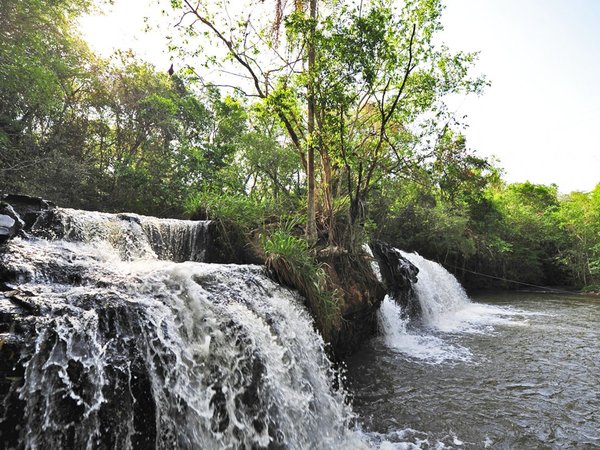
245, 211
591, 288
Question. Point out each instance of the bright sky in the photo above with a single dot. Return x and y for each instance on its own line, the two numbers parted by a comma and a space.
541, 116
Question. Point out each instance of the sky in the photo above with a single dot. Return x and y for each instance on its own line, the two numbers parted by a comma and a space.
540, 118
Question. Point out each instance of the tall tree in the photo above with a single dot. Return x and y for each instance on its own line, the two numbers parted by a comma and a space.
311, 224
360, 84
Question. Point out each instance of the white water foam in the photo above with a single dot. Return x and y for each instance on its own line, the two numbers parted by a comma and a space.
129, 351
409, 439
447, 311
135, 236
437, 290
413, 343
374, 265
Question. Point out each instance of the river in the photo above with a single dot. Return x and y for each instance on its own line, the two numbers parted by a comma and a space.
115, 334
507, 371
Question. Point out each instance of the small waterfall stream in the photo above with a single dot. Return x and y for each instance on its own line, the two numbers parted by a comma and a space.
437, 290
131, 235
444, 310
123, 348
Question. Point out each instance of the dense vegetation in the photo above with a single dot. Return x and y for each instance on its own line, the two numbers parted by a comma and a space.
337, 130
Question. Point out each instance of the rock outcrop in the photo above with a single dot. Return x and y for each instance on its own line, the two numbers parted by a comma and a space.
361, 295
399, 275
18, 214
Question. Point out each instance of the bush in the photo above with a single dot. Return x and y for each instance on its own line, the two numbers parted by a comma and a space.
245, 211
591, 288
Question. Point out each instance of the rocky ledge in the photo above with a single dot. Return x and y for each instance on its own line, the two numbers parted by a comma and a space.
18, 213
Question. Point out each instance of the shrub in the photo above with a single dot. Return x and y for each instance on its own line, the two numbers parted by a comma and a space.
245, 211
591, 288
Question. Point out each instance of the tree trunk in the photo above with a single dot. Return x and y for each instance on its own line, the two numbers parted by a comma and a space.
311, 223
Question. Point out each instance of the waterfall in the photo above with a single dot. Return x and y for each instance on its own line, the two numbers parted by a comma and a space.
121, 346
437, 290
444, 310
133, 236
373, 262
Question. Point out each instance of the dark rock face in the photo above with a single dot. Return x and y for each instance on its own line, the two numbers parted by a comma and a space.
19, 213
10, 222
362, 295
399, 275
27, 208
230, 245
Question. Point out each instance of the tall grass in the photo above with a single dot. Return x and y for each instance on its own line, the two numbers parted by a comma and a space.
291, 261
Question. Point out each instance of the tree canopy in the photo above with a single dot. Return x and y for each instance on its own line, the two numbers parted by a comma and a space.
361, 84
331, 116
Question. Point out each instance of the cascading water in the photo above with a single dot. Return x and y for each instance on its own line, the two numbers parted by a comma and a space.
437, 290
123, 350
445, 309
132, 235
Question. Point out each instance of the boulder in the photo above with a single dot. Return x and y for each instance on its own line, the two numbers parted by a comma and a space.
361, 295
27, 208
399, 275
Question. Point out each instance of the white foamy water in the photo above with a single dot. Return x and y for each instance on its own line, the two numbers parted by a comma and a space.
446, 311
134, 236
373, 263
410, 439
415, 343
437, 290
130, 351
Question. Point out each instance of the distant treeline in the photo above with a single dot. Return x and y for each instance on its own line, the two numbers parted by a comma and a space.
522, 232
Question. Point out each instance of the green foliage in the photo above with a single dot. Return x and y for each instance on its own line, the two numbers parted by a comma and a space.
293, 263
247, 212
110, 135
376, 82
591, 288
579, 218
520, 232
42, 79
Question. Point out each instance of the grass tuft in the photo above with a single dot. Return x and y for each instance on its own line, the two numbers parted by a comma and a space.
290, 261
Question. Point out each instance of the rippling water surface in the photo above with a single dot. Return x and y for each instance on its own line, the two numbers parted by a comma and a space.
514, 371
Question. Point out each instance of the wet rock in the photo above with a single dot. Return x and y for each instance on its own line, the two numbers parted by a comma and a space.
28, 208
361, 295
19, 213
399, 276
227, 243
21, 299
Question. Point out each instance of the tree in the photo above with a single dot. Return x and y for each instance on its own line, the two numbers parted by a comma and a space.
579, 218
45, 71
93, 133
369, 93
